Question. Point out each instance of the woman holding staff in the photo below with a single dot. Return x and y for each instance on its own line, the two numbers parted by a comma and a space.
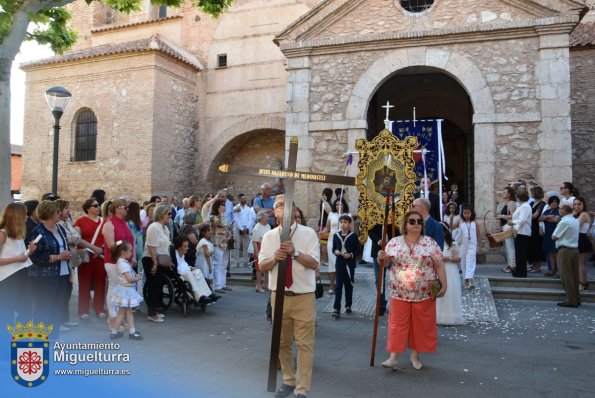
415, 263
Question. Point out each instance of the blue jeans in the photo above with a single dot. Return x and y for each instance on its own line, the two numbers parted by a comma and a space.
382, 296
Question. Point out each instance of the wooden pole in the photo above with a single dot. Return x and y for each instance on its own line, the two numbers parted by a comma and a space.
380, 275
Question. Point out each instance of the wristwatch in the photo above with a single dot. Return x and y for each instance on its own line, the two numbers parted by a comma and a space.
296, 254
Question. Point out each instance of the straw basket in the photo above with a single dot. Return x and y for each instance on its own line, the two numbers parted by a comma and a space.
496, 238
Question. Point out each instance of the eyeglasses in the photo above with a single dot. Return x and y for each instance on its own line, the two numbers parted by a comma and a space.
562, 188
413, 221
95, 205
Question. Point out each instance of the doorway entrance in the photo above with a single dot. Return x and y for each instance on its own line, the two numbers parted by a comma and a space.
435, 95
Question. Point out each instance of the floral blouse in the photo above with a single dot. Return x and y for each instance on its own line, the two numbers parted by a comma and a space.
220, 231
412, 268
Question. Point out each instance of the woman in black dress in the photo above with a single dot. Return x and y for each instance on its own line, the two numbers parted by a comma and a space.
536, 255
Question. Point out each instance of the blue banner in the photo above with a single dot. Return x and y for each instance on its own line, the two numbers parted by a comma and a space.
426, 132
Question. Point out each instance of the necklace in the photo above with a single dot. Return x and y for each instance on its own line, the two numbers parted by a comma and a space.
468, 226
411, 246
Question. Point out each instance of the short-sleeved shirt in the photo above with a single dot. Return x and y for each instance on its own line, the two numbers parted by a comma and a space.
259, 231
158, 237
305, 240
412, 268
567, 232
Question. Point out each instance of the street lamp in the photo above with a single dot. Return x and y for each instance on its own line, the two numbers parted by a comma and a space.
57, 98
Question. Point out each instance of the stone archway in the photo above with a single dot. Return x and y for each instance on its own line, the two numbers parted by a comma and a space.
254, 146
471, 80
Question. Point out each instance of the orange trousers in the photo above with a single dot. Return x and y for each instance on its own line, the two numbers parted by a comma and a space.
414, 323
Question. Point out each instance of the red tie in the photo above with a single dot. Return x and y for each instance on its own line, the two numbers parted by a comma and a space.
288, 273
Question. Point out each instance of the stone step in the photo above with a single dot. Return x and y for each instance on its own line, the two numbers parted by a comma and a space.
535, 293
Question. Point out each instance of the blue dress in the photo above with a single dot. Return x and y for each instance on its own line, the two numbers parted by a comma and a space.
548, 244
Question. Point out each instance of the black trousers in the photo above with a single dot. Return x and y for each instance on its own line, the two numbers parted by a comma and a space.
154, 286
345, 274
521, 248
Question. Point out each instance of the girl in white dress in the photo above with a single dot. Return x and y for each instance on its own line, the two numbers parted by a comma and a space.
449, 309
332, 227
452, 219
125, 295
204, 253
469, 236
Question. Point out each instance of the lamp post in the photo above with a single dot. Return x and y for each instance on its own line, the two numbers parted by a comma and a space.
57, 98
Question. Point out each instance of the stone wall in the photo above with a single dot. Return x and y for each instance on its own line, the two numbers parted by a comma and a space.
373, 17
582, 67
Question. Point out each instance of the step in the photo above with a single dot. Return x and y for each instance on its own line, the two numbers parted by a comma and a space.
545, 283
545, 294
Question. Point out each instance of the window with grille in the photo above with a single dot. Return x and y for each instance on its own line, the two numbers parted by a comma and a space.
416, 5
85, 136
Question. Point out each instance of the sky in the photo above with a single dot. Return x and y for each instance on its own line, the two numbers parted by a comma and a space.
30, 51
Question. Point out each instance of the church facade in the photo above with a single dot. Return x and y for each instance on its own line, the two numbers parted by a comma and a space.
162, 97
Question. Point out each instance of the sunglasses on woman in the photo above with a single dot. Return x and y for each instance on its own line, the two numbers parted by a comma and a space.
413, 221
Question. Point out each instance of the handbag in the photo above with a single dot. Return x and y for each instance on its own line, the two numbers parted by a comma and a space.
163, 260
435, 287
84, 253
231, 243
319, 292
494, 240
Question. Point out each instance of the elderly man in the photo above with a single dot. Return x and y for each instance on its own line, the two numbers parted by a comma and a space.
433, 229
179, 219
265, 202
244, 220
302, 252
566, 237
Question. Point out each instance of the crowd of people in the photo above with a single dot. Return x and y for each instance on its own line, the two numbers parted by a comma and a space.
114, 245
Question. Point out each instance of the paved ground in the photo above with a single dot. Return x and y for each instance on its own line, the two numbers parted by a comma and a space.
532, 349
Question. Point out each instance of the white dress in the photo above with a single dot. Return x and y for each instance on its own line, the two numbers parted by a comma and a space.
201, 261
467, 241
125, 294
449, 309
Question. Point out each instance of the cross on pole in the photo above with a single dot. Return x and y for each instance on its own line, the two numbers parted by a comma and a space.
290, 175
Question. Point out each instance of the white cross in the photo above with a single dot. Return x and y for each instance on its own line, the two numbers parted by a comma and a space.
387, 107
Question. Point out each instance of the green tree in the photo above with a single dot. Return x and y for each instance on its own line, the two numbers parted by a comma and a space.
46, 21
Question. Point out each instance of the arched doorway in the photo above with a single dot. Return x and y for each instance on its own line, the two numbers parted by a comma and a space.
256, 148
435, 95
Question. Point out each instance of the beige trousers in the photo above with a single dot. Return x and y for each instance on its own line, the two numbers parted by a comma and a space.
299, 324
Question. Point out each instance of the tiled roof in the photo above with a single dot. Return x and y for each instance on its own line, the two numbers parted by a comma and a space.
583, 35
128, 25
153, 43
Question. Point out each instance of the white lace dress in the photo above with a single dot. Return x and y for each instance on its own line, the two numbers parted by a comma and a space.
449, 309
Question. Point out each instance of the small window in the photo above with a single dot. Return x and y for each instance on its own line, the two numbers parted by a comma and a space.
162, 11
85, 136
416, 6
221, 60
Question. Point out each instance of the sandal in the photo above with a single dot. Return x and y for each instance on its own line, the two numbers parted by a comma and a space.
549, 273
583, 286
535, 270
507, 269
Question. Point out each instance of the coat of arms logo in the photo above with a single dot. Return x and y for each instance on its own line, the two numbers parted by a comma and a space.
30, 353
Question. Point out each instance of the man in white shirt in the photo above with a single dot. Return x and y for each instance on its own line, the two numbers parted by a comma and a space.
244, 220
299, 309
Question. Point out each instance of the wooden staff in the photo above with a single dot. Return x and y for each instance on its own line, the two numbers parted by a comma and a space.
380, 275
